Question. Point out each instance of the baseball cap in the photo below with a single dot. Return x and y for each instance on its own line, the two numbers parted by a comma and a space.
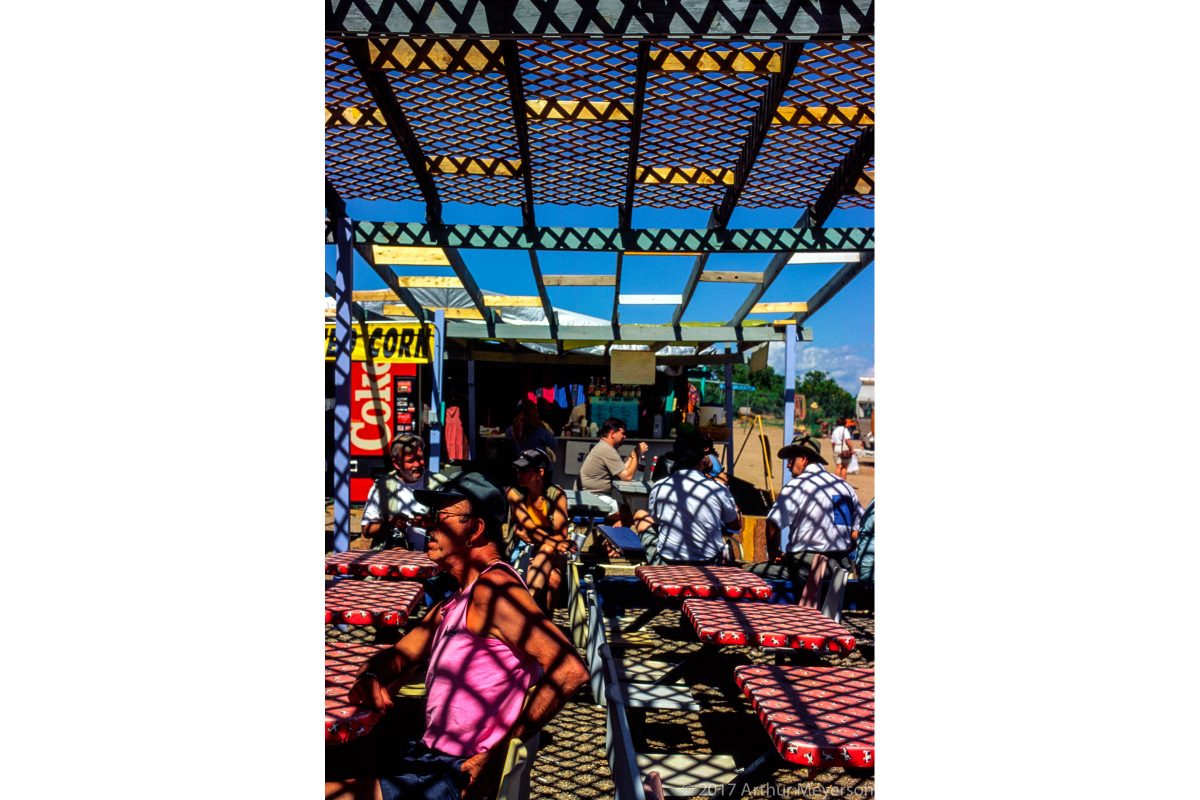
537, 458
486, 501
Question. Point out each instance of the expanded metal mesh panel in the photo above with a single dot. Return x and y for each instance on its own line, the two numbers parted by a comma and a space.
365, 164
796, 161
458, 115
839, 73
580, 160
697, 120
362, 163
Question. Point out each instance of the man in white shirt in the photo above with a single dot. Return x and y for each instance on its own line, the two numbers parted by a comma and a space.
692, 511
816, 512
391, 504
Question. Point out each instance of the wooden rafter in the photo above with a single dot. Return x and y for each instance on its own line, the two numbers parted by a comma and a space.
856, 158
777, 84
625, 209
516, 94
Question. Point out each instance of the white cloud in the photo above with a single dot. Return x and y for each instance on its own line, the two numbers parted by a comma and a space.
844, 364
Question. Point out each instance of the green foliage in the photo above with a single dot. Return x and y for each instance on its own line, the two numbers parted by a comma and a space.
833, 400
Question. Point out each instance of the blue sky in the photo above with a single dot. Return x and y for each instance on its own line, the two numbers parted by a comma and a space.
843, 330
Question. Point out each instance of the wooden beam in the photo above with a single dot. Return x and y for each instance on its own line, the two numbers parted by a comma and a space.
852, 163
389, 278
435, 55
778, 308
471, 165
827, 116
532, 301
731, 277
761, 62
659, 253
428, 282
865, 184
353, 117
650, 299
777, 84
451, 313
580, 280
585, 110
834, 285
410, 256
516, 96
630, 334
691, 176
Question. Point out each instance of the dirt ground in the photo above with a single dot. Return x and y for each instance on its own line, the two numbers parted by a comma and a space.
749, 463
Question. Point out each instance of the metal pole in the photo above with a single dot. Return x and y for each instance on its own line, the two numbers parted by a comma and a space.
343, 295
729, 412
435, 400
789, 391
472, 429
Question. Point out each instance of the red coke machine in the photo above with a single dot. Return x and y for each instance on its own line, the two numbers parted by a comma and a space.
385, 400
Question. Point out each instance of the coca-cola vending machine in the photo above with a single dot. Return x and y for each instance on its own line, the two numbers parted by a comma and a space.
385, 400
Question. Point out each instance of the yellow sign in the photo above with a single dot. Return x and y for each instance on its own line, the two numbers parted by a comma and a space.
631, 366
385, 343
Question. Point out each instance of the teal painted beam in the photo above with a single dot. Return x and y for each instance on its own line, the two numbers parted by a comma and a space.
642, 240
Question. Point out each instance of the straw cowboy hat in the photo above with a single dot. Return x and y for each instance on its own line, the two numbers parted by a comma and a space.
803, 447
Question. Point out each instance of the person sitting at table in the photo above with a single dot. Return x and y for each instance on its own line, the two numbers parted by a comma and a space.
391, 506
819, 512
496, 667
690, 511
539, 520
604, 464
528, 430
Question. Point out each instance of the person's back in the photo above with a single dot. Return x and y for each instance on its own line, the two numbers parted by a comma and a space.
693, 512
818, 510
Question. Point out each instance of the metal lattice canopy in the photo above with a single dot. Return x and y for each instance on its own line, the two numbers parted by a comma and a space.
612, 103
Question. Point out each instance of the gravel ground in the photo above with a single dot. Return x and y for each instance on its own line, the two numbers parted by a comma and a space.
572, 762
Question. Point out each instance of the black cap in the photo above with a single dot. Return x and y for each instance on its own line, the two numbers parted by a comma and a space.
804, 447
537, 458
486, 501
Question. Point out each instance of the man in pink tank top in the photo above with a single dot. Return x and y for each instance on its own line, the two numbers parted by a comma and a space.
497, 668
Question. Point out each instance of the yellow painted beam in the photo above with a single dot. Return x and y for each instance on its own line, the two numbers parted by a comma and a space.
778, 308
374, 295
652, 253
593, 110
451, 313
701, 176
429, 282
714, 61
436, 55
732, 277
353, 116
579, 280
830, 116
470, 165
410, 256
491, 300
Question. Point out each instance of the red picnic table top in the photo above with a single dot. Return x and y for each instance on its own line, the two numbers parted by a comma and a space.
722, 621
393, 563
815, 716
343, 721
383, 603
668, 581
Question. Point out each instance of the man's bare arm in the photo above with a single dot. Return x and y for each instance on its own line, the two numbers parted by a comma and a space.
387, 667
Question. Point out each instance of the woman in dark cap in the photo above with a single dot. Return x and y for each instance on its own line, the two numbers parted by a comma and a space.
539, 520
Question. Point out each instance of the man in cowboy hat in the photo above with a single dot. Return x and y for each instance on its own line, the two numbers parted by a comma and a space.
815, 513
692, 512
496, 667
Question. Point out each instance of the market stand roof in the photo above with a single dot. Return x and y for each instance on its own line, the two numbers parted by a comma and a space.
702, 105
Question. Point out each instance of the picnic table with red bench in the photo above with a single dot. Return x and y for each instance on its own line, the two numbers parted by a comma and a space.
815, 716
343, 721
684, 581
394, 563
727, 622
379, 603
